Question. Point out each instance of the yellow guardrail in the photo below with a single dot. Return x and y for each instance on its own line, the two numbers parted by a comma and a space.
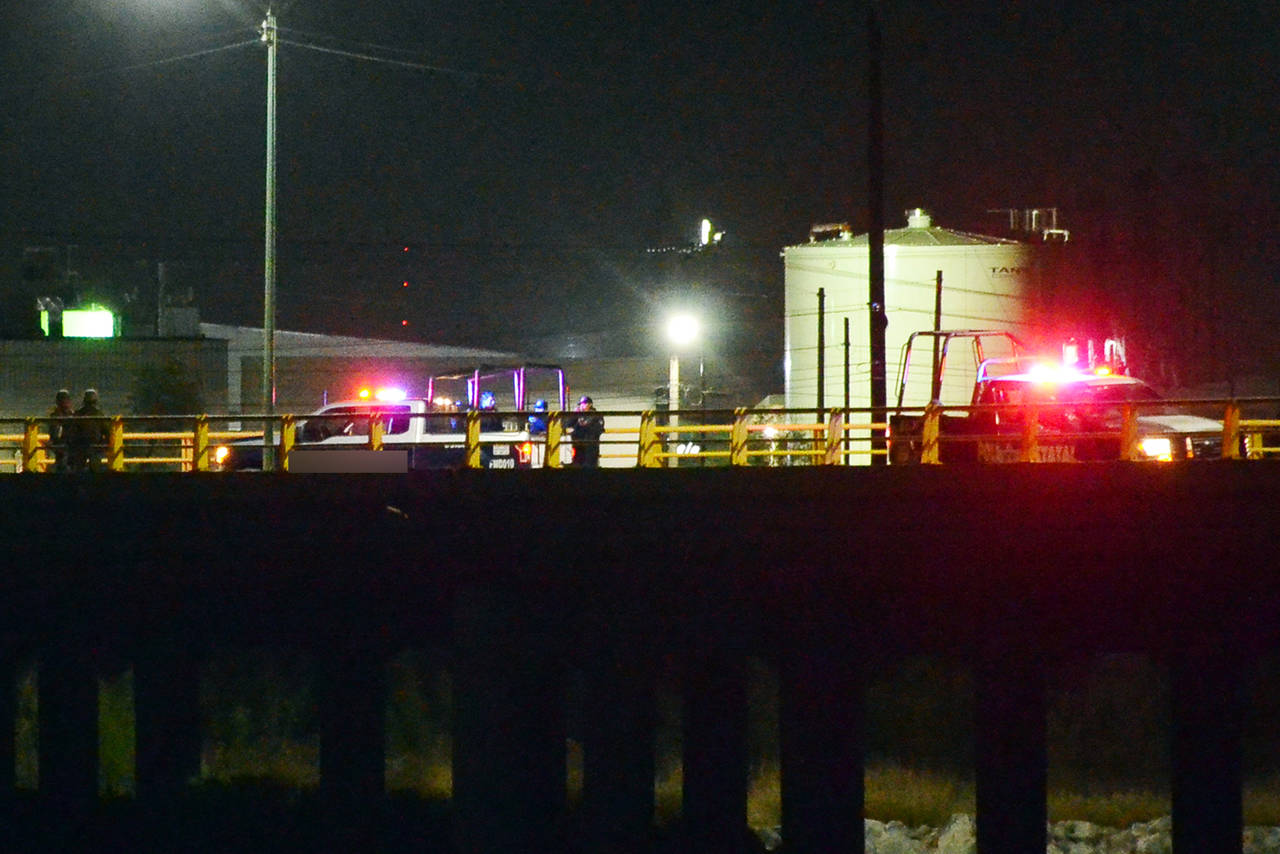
647, 439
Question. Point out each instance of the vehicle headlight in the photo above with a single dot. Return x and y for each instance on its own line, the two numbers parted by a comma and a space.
1157, 448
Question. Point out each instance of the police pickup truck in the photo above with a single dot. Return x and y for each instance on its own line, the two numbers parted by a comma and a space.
1077, 415
387, 431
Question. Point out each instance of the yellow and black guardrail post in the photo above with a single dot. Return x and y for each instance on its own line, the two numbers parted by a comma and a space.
555, 438
650, 445
200, 444
835, 439
1030, 451
738, 437
1129, 434
115, 444
929, 434
1231, 432
31, 445
287, 438
472, 457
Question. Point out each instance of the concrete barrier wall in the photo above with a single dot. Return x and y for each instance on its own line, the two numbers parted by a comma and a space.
526, 574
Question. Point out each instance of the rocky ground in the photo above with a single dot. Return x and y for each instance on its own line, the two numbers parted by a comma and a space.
1065, 837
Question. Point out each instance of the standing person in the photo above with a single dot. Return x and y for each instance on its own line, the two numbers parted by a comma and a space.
538, 420
537, 424
586, 429
490, 421
59, 428
88, 435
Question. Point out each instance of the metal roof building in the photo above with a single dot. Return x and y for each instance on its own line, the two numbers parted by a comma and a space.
311, 367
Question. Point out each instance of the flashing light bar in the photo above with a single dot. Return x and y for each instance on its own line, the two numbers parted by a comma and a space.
1046, 372
388, 394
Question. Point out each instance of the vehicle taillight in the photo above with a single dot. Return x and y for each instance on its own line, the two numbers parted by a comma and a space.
1157, 448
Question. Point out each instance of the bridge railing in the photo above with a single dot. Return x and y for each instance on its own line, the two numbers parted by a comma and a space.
655, 439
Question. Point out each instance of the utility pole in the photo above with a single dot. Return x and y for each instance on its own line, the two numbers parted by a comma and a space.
846, 364
875, 236
822, 350
270, 38
935, 391
162, 274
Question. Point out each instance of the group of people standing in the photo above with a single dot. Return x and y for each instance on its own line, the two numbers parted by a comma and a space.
584, 426
77, 437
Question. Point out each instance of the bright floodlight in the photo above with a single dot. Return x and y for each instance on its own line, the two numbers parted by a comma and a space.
682, 329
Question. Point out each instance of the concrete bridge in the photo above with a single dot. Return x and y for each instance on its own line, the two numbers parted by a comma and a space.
828, 572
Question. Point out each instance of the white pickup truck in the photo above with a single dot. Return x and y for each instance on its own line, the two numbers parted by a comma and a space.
1076, 415
412, 434
391, 432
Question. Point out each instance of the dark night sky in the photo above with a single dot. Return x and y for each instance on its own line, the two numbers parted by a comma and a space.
559, 140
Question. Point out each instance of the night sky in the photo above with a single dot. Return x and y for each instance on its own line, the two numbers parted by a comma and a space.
526, 154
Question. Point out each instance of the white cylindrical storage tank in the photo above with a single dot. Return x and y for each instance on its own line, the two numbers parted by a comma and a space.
987, 283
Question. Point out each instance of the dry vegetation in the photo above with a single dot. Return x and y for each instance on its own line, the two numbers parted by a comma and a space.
261, 729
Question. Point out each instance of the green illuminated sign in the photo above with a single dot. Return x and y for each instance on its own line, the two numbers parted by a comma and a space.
83, 323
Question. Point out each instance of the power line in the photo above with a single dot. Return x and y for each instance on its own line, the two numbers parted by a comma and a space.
326, 36
418, 66
123, 69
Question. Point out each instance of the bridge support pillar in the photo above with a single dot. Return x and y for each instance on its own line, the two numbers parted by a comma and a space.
822, 726
68, 753
509, 763
715, 750
352, 710
618, 767
166, 696
1207, 717
1011, 756
8, 729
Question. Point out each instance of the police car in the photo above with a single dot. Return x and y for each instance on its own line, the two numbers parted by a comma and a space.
417, 433
1080, 415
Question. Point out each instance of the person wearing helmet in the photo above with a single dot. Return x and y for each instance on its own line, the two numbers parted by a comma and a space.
59, 428
88, 434
538, 420
586, 427
489, 422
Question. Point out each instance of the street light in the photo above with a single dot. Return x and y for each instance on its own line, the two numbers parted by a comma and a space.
682, 331
270, 39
